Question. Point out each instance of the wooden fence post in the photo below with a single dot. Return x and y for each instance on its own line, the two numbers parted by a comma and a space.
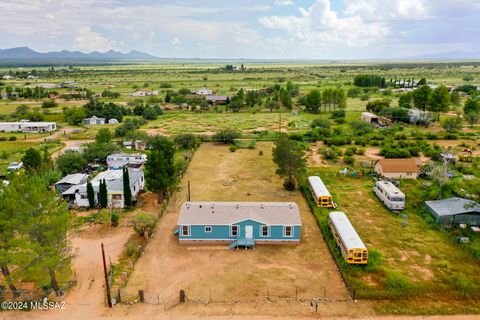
141, 296
182, 296
119, 296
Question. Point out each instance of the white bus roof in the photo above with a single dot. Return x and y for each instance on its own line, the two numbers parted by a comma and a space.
390, 188
318, 186
345, 230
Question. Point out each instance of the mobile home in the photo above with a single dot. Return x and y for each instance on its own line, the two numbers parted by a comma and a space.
320, 192
239, 223
351, 246
391, 196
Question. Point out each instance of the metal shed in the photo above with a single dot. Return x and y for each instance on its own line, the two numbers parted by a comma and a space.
454, 211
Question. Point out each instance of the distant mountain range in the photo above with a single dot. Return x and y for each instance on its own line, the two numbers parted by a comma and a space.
450, 55
25, 55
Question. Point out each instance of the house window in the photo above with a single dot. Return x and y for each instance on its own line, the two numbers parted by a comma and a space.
288, 231
185, 231
117, 197
234, 231
265, 231
208, 229
83, 196
409, 173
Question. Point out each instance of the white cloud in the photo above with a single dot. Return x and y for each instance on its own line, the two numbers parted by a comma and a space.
284, 2
88, 40
176, 43
388, 10
319, 25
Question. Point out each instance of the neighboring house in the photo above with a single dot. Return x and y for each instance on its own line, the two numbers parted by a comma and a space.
239, 223
119, 160
94, 121
218, 99
27, 126
69, 84
454, 211
204, 92
114, 181
46, 85
15, 166
7, 77
70, 180
141, 93
370, 118
397, 168
113, 121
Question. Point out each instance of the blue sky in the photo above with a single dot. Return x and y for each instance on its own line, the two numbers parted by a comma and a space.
291, 29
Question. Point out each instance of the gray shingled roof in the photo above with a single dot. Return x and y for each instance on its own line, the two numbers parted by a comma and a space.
75, 178
452, 206
227, 213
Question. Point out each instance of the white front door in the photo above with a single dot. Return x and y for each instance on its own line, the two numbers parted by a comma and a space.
249, 232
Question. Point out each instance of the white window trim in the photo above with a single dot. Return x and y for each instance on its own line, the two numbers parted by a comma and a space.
285, 232
188, 230
268, 231
206, 231
231, 230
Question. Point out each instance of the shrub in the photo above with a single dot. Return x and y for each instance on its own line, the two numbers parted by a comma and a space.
12, 138
321, 123
115, 218
186, 141
360, 151
348, 160
226, 136
233, 148
144, 223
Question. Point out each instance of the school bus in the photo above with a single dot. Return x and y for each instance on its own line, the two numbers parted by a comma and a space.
320, 192
352, 248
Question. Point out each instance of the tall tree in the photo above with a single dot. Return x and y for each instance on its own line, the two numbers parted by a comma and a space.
440, 100
289, 157
32, 160
313, 101
90, 195
103, 136
421, 97
127, 192
160, 167
103, 194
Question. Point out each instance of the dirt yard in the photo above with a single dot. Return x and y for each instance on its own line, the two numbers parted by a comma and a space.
213, 272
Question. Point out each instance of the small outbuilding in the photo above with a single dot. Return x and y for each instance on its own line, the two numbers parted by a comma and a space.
113, 121
239, 223
370, 118
454, 211
94, 120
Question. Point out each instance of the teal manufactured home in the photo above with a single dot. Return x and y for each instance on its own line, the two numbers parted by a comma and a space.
239, 223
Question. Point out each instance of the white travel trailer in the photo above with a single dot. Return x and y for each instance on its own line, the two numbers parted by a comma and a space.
391, 196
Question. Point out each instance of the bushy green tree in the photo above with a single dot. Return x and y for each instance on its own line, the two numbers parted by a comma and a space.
71, 162
289, 157
90, 194
32, 160
421, 97
160, 166
313, 101
452, 124
103, 136
227, 136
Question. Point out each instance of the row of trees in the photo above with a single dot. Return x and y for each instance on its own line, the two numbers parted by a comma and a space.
317, 100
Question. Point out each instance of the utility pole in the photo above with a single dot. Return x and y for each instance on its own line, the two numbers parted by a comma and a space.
189, 195
107, 285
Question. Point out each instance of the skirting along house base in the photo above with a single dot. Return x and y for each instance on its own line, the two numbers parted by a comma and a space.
239, 224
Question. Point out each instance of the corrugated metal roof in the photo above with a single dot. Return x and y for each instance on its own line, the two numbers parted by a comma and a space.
75, 178
346, 231
452, 206
227, 213
318, 186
